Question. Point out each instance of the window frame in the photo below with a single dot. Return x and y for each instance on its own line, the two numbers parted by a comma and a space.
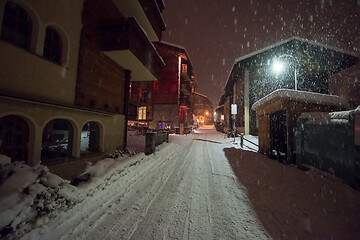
53, 50
141, 113
13, 34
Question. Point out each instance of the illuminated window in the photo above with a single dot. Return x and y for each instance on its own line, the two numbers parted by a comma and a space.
53, 45
16, 27
141, 113
184, 68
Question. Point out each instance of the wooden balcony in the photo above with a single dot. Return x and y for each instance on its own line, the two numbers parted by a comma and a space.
125, 42
147, 13
152, 11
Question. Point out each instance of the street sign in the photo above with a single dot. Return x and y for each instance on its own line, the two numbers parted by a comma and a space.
233, 109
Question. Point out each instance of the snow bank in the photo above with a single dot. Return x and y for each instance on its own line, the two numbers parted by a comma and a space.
30, 196
308, 97
341, 117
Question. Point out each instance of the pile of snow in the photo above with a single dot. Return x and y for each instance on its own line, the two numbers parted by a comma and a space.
344, 114
341, 117
309, 97
30, 196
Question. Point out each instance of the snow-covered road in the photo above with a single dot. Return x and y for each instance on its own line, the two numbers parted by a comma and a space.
186, 190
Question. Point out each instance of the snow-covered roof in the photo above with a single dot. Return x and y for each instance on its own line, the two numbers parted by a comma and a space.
309, 97
349, 58
201, 95
219, 107
177, 48
291, 39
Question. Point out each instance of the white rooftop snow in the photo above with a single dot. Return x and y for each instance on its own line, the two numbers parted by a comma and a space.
309, 97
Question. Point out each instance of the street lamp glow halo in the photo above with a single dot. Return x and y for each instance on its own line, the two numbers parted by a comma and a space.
278, 66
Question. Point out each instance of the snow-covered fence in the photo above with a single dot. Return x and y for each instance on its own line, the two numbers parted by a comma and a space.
327, 141
154, 139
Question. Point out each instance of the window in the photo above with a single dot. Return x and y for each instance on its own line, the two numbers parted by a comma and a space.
184, 68
52, 45
56, 141
141, 113
16, 27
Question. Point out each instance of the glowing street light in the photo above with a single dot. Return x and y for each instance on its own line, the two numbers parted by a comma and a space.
278, 66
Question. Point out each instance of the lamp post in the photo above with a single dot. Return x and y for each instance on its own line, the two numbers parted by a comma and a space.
278, 66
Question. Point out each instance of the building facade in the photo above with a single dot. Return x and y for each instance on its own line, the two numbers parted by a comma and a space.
66, 68
202, 108
171, 93
307, 66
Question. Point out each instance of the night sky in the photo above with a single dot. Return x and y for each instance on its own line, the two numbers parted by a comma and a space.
216, 32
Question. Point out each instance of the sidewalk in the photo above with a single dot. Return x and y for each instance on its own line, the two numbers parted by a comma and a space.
294, 204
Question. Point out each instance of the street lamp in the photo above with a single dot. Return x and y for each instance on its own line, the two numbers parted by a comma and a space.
278, 66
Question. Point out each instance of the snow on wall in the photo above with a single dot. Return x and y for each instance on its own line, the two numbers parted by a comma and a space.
344, 114
341, 117
303, 96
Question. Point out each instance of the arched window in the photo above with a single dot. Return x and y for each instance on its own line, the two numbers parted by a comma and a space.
16, 26
56, 141
90, 136
14, 137
52, 45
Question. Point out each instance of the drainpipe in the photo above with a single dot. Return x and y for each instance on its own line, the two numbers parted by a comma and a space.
126, 103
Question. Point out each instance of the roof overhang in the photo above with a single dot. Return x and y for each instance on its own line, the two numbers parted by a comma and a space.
125, 42
300, 96
133, 8
313, 56
126, 59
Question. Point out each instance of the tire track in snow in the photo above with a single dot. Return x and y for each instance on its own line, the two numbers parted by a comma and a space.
162, 211
129, 209
79, 223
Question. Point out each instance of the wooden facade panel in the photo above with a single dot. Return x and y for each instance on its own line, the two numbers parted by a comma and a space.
101, 81
239, 100
264, 134
166, 89
153, 13
293, 110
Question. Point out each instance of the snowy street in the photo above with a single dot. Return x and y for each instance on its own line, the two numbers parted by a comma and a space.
186, 190
197, 186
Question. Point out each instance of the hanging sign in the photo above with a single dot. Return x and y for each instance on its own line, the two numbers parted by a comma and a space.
233, 109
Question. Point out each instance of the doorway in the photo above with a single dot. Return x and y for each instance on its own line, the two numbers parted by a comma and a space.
278, 135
